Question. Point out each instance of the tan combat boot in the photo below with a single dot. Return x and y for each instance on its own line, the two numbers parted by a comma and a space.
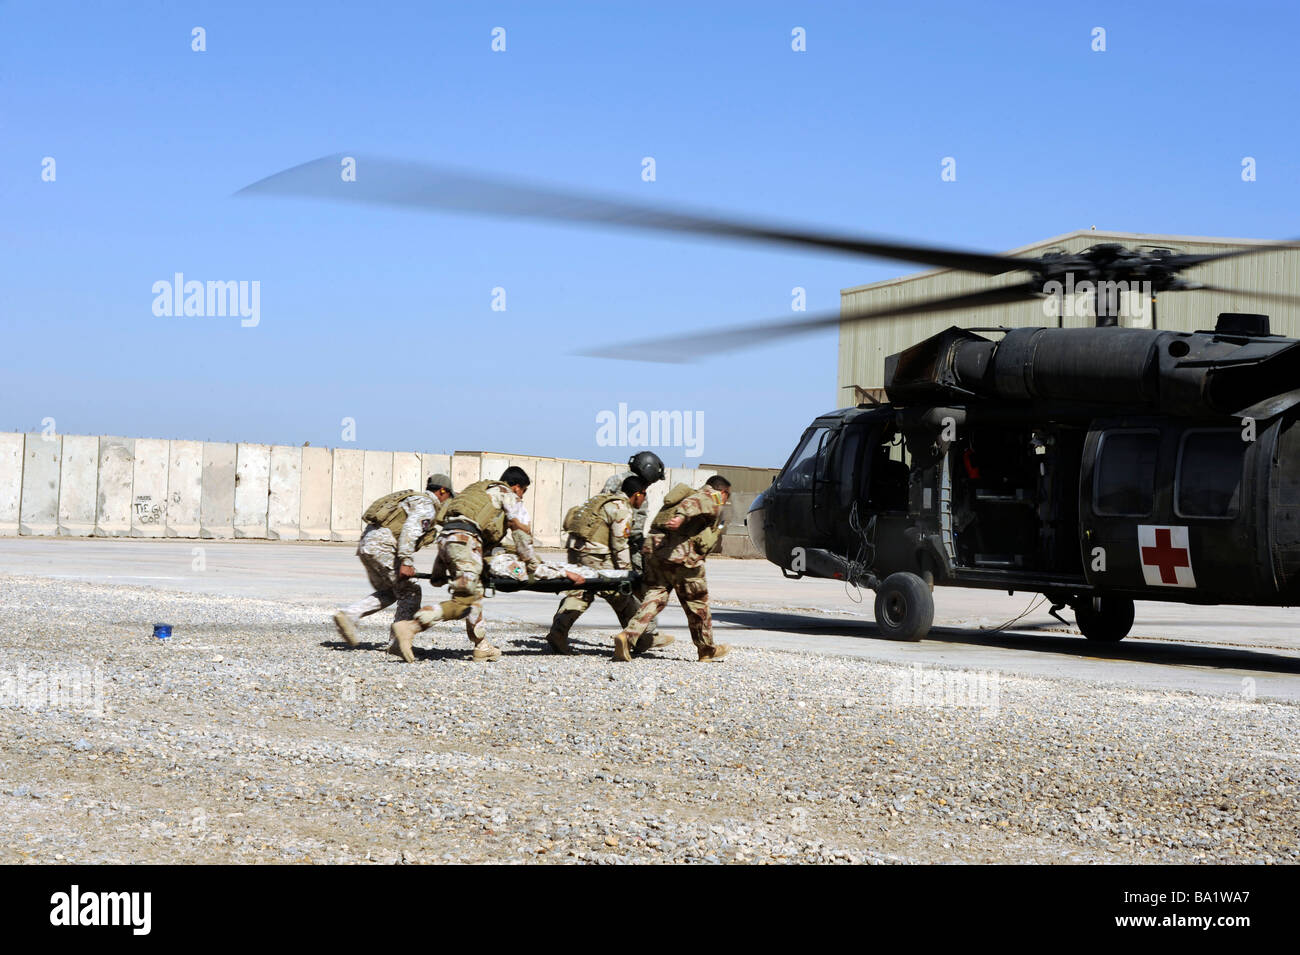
652, 641
346, 628
714, 652
622, 652
485, 652
402, 631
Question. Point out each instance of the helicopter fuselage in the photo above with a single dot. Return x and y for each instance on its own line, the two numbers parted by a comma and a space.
1073, 499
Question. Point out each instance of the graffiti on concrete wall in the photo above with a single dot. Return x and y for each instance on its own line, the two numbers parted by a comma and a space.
147, 512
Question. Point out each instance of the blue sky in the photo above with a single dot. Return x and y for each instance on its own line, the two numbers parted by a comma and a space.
384, 316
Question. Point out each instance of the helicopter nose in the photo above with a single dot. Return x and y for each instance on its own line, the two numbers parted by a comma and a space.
754, 521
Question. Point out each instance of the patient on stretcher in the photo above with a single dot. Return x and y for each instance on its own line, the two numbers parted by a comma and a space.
505, 564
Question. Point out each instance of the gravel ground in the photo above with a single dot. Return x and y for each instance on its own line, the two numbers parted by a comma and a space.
254, 735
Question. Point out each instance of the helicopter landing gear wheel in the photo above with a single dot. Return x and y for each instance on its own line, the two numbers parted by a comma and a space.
1104, 619
904, 607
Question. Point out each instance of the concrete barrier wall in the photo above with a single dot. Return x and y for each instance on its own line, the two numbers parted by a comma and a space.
116, 479
11, 483
42, 456
600, 473
431, 464
149, 479
346, 503
78, 485
217, 506
317, 492
376, 476
547, 512
406, 471
465, 469
252, 489
284, 502
115, 486
184, 488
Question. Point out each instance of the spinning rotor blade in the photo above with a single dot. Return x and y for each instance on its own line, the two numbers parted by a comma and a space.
1286, 298
682, 349
1180, 262
416, 186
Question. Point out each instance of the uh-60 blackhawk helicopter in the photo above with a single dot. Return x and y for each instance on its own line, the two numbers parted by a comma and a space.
1095, 466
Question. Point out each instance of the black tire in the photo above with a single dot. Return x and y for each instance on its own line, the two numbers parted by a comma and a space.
904, 607
1104, 619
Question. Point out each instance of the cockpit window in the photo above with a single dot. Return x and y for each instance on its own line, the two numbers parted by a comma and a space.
1126, 474
1209, 474
800, 472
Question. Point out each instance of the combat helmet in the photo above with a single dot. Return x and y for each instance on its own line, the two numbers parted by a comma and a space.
647, 466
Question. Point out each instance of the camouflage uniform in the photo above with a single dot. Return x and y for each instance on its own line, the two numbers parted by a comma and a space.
460, 559
618, 515
636, 530
674, 562
382, 553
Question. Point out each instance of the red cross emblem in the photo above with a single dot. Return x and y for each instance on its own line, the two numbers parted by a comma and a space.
1166, 556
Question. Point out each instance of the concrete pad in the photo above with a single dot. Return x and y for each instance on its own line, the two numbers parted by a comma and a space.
600, 473
406, 471
316, 485
149, 488
39, 513
11, 482
464, 470
547, 509
376, 476
78, 485
1173, 646
252, 489
217, 507
577, 477
116, 478
346, 503
284, 506
184, 488
431, 464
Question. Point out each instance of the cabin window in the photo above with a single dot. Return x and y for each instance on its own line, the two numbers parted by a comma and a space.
1126, 474
1209, 474
803, 466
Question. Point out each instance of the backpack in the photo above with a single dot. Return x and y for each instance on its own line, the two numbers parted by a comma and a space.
387, 511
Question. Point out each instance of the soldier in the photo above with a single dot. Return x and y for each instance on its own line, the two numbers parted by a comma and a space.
684, 532
397, 525
650, 468
475, 520
598, 537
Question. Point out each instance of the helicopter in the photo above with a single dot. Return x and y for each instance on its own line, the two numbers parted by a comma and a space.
1096, 466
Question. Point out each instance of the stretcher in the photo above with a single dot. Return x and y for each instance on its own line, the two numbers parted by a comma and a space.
618, 581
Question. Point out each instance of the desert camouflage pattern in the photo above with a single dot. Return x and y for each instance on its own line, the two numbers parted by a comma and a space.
378, 551
673, 547
420, 507
636, 529
460, 561
517, 511
662, 580
575, 603
618, 514
639, 516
